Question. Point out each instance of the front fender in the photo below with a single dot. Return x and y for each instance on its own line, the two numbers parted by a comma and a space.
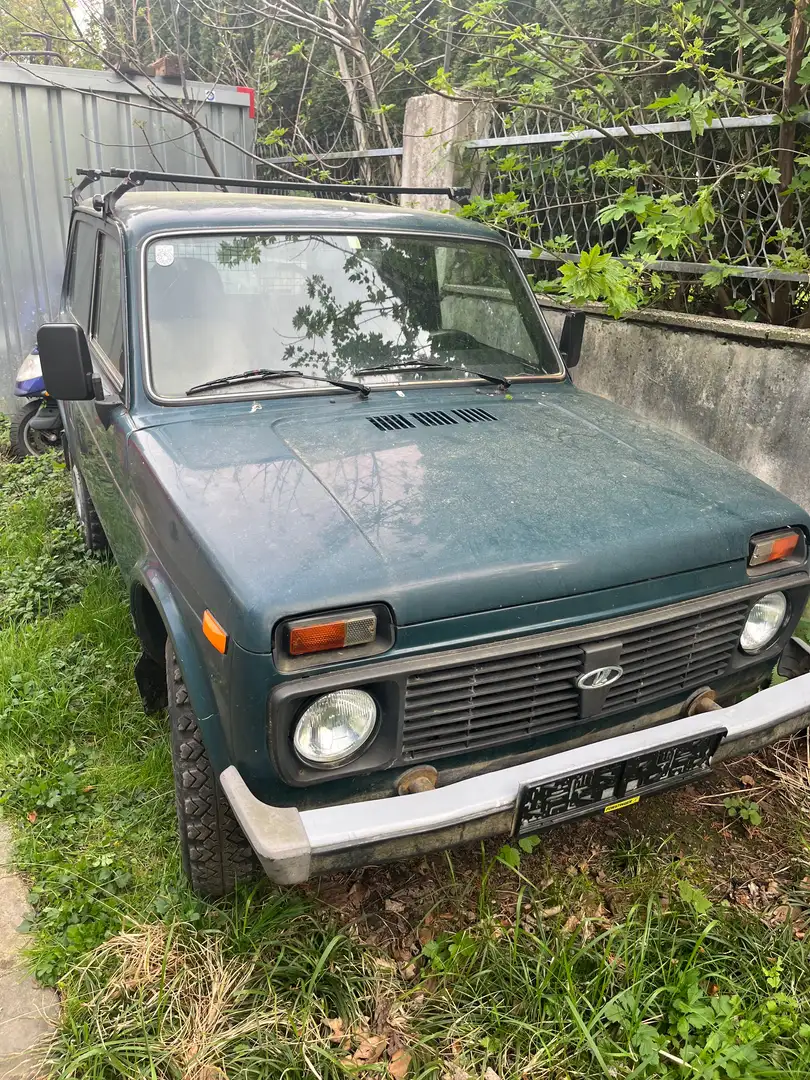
177, 619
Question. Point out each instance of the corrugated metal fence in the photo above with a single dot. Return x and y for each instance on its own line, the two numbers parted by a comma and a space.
54, 120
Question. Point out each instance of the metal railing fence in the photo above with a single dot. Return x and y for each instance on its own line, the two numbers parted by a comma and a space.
567, 179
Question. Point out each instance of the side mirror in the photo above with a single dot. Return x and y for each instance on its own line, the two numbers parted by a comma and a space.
65, 358
573, 329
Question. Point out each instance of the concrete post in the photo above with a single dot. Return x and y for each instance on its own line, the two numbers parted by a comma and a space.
434, 133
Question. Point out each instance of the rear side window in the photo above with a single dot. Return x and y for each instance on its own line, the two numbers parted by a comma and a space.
80, 281
109, 324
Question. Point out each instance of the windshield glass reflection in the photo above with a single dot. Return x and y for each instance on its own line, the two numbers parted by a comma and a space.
407, 308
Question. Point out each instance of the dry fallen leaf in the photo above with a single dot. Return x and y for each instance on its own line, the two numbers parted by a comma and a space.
357, 894
547, 913
399, 1064
336, 1029
384, 963
32, 817
490, 1074
370, 1050
570, 924
425, 935
779, 915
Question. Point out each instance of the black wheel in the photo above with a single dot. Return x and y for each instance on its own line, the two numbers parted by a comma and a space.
25, 440
94, 539
214, 850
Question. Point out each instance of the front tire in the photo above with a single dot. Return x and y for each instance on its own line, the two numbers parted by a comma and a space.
214, 850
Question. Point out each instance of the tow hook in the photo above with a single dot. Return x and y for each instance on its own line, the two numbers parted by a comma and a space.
703, 700
422, 778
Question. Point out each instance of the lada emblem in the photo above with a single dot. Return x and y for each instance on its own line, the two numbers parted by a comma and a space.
599, 677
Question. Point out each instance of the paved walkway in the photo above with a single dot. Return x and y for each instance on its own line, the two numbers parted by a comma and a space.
27, 1011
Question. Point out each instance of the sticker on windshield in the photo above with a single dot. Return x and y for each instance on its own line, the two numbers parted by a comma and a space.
164, 254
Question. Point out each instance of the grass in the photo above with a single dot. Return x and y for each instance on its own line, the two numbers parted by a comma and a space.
668, 943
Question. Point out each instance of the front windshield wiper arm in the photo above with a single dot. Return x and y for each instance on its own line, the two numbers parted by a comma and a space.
427, 365
262, 374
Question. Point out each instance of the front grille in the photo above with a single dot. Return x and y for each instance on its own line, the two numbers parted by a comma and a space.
491, 702
662, 660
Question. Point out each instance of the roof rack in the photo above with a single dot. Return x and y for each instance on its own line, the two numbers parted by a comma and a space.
135, 178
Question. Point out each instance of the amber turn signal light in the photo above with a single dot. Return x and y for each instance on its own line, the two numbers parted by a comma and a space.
312, 637
772, 548
214, 632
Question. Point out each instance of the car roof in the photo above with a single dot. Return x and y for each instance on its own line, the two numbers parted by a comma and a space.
144, 213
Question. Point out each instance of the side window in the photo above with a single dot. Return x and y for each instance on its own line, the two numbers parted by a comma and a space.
80, 279
108, 325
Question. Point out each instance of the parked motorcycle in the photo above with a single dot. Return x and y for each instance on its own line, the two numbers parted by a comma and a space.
36, 426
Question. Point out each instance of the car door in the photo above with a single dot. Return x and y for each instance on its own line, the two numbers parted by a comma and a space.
100, 427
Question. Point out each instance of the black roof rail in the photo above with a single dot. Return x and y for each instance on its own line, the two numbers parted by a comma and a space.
134, 178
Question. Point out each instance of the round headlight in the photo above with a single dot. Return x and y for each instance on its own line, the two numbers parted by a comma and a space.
764, 622
334, 727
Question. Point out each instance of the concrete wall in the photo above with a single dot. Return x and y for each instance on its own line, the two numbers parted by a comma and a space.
742, 390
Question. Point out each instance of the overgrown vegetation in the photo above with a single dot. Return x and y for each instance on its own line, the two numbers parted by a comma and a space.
666, 945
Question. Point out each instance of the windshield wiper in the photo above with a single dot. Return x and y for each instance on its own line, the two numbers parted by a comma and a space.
427, 365
262, 374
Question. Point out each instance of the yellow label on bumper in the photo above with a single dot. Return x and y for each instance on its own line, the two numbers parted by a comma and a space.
621, 805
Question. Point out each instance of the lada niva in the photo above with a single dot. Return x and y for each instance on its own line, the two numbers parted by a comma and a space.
401, 583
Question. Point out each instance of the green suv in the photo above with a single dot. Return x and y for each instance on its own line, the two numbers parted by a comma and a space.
401, 583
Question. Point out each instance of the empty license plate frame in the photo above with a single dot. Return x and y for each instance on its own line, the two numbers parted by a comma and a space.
614, 784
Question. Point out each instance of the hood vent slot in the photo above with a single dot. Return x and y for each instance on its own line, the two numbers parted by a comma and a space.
391, 422
473, 416
435, 418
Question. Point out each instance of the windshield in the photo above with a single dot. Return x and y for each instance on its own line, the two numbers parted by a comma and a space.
409, 309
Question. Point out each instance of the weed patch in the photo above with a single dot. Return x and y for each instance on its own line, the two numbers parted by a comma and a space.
43, 567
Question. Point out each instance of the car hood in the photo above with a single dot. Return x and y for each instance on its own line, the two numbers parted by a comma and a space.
321, 505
